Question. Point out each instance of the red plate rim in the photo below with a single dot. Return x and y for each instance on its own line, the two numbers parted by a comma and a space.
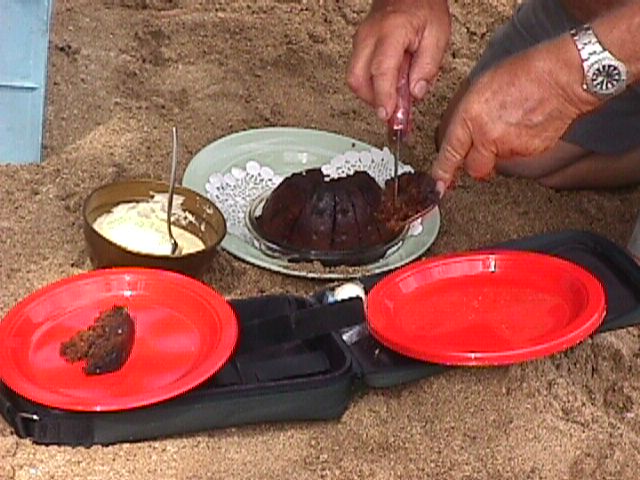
224, 348
584, 325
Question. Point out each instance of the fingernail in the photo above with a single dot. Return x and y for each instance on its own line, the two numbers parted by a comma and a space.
382, 113
440, 188
421, 88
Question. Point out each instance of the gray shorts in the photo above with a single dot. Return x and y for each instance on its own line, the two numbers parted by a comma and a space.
613, 128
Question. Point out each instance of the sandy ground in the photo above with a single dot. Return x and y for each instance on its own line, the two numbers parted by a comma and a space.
124, 71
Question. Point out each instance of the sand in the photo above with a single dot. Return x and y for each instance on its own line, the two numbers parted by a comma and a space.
124, 71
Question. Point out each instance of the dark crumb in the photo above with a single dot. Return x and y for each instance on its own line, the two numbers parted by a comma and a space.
105, 345
416, 194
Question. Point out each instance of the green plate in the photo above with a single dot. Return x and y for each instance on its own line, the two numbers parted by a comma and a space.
283, 151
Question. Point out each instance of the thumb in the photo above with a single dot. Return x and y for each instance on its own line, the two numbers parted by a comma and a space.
455, 147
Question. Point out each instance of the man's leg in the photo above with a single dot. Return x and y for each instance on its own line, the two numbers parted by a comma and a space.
634, 243
567, 166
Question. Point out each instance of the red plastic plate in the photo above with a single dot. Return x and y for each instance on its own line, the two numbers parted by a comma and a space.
185, 332
486, 308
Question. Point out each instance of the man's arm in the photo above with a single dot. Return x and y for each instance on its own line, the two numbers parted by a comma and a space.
524, 105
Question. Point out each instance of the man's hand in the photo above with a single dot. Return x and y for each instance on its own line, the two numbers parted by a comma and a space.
519, 108
393, 27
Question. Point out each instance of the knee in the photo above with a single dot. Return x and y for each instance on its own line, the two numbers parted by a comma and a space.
553, 182
522, 168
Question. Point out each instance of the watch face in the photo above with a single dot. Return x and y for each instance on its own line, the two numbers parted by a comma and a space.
606, 77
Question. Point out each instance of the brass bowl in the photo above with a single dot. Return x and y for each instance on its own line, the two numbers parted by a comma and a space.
210, 227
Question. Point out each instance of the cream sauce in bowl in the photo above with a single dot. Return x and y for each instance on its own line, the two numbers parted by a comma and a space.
142, 226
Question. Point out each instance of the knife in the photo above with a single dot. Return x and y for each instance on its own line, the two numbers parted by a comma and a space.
399, 124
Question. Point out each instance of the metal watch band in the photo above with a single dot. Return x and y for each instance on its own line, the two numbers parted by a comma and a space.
586, 41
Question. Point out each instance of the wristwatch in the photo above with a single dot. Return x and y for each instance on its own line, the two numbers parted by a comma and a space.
604, 75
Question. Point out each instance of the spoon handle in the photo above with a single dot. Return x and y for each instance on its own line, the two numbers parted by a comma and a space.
174, 165
172, 183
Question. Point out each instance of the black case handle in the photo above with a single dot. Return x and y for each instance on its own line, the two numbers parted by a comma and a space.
303, 324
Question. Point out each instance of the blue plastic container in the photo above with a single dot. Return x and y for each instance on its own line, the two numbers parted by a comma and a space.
24, 47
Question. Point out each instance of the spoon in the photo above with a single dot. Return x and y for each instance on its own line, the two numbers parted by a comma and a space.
416, 197
172, 184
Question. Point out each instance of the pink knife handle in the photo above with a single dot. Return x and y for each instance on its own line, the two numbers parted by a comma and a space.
400, 121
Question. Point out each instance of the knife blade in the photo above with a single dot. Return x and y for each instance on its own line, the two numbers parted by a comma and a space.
399, 124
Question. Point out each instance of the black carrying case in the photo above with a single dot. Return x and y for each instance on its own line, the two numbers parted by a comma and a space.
303, 359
